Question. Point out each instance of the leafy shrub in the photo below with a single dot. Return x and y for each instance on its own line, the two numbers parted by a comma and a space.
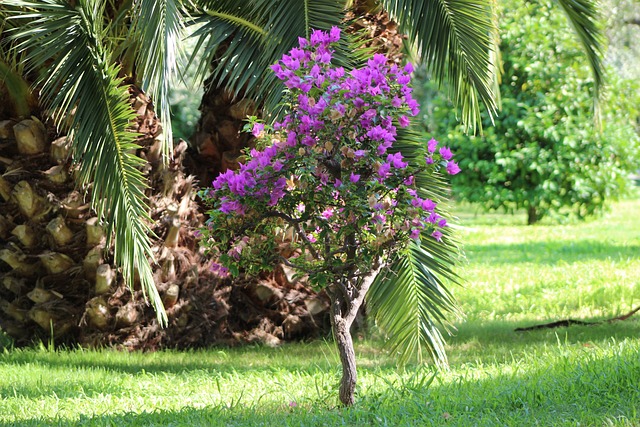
544, 153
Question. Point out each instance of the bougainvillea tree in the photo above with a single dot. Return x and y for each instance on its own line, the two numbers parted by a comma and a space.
324, 191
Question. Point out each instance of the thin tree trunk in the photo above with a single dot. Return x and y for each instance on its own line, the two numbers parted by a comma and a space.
342, 335
345, 303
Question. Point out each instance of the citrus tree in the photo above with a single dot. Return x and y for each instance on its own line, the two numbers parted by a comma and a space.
544, 153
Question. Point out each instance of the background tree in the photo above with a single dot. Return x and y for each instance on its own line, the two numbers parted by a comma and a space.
544, 153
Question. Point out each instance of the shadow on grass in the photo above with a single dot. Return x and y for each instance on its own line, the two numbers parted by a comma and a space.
498, 342
490, 343
550, 253
308, 357
595, 388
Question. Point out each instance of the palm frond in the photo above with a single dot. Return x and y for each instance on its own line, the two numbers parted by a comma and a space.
410, 301
456, 40
229, 38
158, 25
241, 42
80, 77
584, 16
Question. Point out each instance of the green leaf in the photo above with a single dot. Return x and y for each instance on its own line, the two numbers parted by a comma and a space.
159, 27
457, 41
410, 300
243, 41
586, 20
82, 84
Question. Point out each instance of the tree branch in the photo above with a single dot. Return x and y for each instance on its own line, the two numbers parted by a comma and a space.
356, 302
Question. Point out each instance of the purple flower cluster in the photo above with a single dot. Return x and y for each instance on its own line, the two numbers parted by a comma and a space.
330, 164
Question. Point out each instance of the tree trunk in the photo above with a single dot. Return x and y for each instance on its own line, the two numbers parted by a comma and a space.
344, 341
345, 303
532, 215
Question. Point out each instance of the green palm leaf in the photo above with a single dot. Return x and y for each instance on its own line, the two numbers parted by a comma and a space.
12, 72
456, 39
242, 42
410, 300
159, 27
585, 19
69, 40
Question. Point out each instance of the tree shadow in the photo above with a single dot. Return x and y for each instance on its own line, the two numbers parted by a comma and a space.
590, 391
501, 340
551, 253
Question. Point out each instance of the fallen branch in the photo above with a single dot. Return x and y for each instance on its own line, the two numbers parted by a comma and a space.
568, 322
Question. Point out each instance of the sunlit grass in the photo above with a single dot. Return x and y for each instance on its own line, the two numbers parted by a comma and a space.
516, 276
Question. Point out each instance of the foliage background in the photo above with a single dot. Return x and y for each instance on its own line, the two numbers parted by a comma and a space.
544, 152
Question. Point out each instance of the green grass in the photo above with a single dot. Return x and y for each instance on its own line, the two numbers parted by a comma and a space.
516, 276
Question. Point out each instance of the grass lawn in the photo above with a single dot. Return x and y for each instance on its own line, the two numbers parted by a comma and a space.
516, 276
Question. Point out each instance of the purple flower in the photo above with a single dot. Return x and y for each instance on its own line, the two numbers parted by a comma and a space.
413, 106
409, 180
431, 145
358, 154
383, 170
354, 177
446, 153
334, 34
415, 234
378, 60
311, 239
369, 114
291, 139
382, 148
428, 205
452, 168
379, 219
403, 121
231, 206
396, 161
278, 165
408, 68
257, 129
219, 270
337, 184
327, 213
404, 79
318, 37
437, 235
323, 57
308, 141
429, 160
442, 223
290, 63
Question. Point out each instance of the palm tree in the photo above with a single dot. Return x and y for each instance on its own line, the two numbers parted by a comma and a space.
87, 54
